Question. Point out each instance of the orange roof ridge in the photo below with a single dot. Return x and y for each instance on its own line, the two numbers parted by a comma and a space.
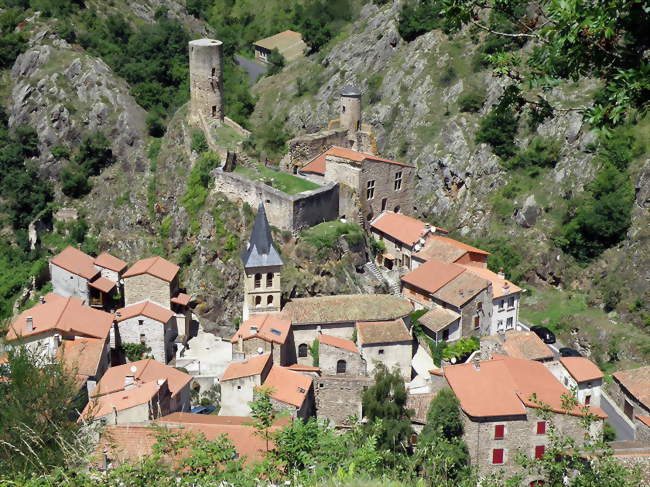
433, 275
246, 368
287, 385
337, 342
581, 369
75, 261
404, 228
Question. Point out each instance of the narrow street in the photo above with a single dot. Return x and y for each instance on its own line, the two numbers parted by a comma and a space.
255, 70
624, 431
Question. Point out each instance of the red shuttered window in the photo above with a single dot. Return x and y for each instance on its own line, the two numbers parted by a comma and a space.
497, 456
541, 427
499, 431
539, 452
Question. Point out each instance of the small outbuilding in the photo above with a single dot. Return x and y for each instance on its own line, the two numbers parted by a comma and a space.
288, 43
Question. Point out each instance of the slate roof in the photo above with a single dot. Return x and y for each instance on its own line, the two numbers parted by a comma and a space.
346, 308
260, 251
382, 332
350, 90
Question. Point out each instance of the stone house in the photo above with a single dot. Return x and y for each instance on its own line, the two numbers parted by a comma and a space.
386, 342
402, 237
441, 325
502, 418
291, 391
288, 43
517, 344
338, 315
87, 358
44, 326
369, 185
239, 381
450, 251
262, 266
152, 279
583, 376
265, 333
419, 404
630, 391
339, 356
339, 397
151, 325
92, 280
452, 287
136, 374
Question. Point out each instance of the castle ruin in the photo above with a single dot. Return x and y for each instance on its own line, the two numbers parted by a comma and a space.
206, 81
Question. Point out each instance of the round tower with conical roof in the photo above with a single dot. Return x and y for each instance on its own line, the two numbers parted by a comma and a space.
351, 108
206, 80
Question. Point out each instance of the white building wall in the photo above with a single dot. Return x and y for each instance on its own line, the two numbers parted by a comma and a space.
236, 394
67, 284
108, 274
157, 335
505, 313
583, 389
391, 355
454, 332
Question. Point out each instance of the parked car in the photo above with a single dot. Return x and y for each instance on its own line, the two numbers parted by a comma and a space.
569, 352
203, 410
544, 333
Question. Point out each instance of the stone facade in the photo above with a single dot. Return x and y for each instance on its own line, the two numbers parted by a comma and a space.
306, 411
206, 80
284, 211
304, 148
628, 403
283, 354
392, 355
642, 432
154, 334
67, 284
385, 179
304, 335
146, 287
338, 397
520, 435
330, 361
262, 291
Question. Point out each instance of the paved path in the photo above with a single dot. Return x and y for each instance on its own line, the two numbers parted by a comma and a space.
255, 70
624, 431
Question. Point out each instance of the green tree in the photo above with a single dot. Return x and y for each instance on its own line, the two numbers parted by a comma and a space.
277, 62
443, 417
263, 414
94, 153
384, 405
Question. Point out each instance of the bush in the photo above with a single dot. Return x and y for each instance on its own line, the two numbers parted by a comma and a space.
498, 129
461, 349
74, 181
471, 101
374, 84
199, 143
60, 152
276, 61
94, 153
11, 45
418, 17
155, 124
540, 152
135, 351
448, 76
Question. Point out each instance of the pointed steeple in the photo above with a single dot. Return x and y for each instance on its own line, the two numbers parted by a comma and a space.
260, 251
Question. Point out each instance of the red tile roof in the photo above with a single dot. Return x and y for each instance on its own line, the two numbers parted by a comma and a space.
145, 308
337, 342
288, 386
271, 327
500, 286
182, 299
526, 345
644, 419
146, 370
154, 266
75, 261
103, 284
82, 355
581, 369
125, 399
401, 227
317, 164
107, 261
446, 249
65, 315
504, 386
433, 275
246, 368
303, 368
371, 332
637, 381
461, 289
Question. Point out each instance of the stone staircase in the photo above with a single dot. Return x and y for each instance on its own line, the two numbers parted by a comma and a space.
392, 285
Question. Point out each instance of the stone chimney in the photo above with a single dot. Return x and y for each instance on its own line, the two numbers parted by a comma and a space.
29, 323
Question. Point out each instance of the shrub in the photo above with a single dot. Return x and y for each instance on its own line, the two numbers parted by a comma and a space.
11, 45
540, 152
198, 144
155, 124
374, 84
471, 101
276, 61
418, 17
461, 349
498, 129
134, 351
74, 181
448, 76
94, 153
60, 152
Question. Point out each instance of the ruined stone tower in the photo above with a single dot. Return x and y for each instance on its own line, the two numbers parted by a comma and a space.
206, 80
351, 109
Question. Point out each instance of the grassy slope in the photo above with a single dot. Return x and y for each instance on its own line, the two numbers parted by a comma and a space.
287, 183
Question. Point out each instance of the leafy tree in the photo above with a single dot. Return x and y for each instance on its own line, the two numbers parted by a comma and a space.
263, 414
418, 17
461, 349
384, 405
11, 45
74, 181
135, 351
498, 129
94, 153
471, 101
443, 417
277, 62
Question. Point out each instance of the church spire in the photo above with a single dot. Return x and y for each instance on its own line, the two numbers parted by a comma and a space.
260, 251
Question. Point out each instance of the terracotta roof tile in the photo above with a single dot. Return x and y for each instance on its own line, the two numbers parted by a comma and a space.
82, 355
401, 227
500, 286
107, 261
289, 43
145, 308
66, 315
146, 370
103, 284
446, 249
75, 261
246, 368
637, 381
182, 299
270, 327
125, 399
382, 332
347, 308
526, 345
504, 386
337, 342
581, 369
304, 368
461, 289
437, 319
317, 165
419, 404
433, 275
644, 419
288, 386
154, 266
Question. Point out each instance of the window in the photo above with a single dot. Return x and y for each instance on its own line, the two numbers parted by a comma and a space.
477, 322
370, 189
407, 261
302, 350
509, 323
258, 300
258, 281
384, 202
511, 302
238, 388
541, 427
499, 325
588, 399
396, 209
539, 452
340, 367
502, 304
269, 300
499, 431
398, 181
479, 306
269, 279
343, 108
143, 339
214, 71
445, 335
381, 351
140, 322
214, 110
497, 456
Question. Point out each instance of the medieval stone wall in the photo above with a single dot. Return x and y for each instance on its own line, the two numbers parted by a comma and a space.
307, 333
385, 196
206, 80
157, 336
304, 148
329, 357
470, 309
147, 288
338, 398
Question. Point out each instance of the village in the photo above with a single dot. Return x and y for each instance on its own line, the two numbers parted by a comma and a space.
141, 356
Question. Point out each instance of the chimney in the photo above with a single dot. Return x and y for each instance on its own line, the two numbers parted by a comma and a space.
501, 274
477, 365
253, 329
29, 322
129, 380
118, 314
42, 299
